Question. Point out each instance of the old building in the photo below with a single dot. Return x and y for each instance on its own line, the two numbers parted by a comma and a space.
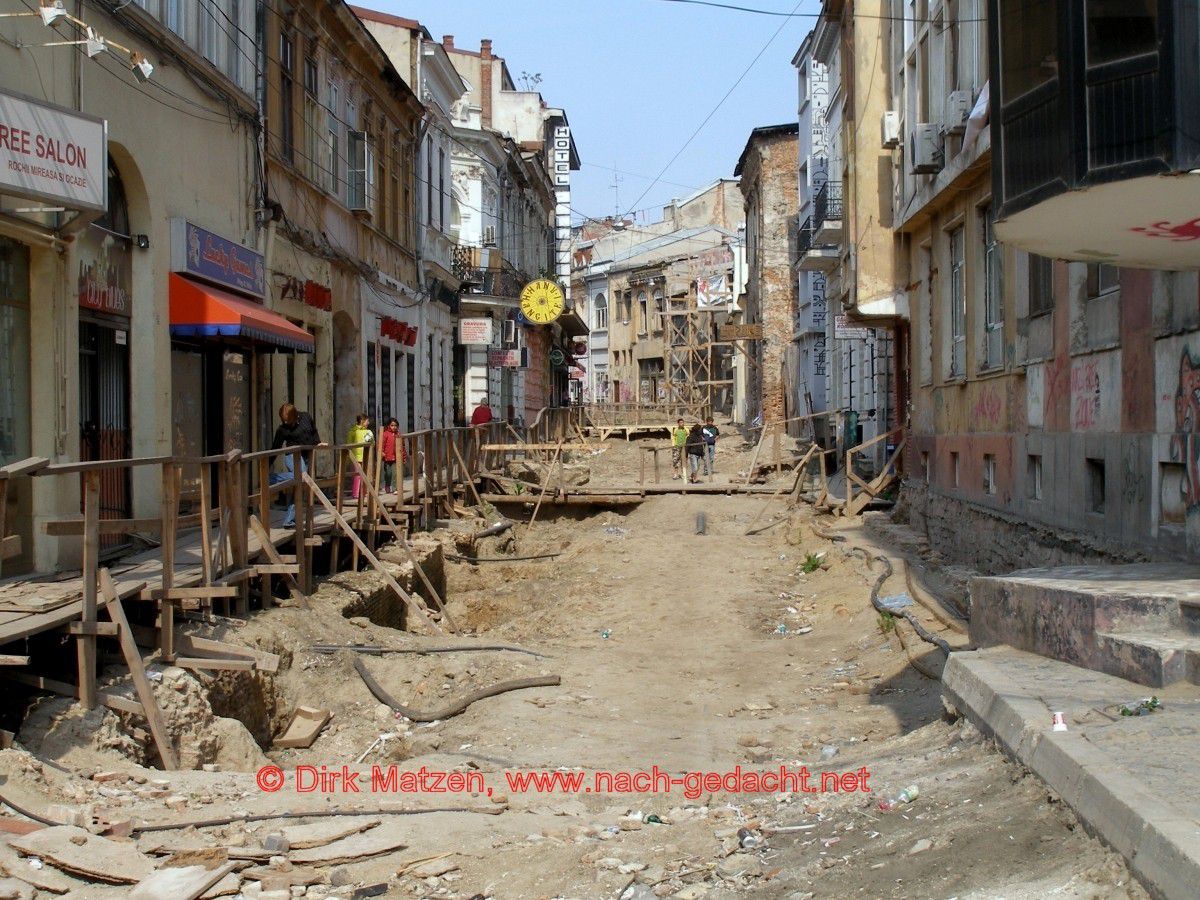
104, 240
767, 169
511, 171
850, 240
426, 67
342, 138
1051, 397
657, 292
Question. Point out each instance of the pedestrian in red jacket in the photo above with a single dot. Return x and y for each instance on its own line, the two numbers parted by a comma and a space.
482, 414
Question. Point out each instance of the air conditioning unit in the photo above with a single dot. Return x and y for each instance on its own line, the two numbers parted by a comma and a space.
489, 236
925, 149
889, 128
958, 108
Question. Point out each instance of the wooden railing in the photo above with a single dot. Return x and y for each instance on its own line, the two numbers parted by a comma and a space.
638, 415
885, 476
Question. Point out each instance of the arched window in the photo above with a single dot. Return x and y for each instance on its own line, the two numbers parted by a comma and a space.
600, 313
660, 309
644, 321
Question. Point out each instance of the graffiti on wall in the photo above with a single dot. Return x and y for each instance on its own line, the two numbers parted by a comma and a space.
1085, 395
1185, 448
988, 410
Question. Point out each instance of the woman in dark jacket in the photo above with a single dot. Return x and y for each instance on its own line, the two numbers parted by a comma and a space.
695, 452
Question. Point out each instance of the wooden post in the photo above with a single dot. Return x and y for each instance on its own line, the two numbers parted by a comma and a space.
299, 529
3, 516
170, 513
542, 495
206, 523
264, 515
335, 545
86, 643
777, 450
238, 530
133, 659
468, 476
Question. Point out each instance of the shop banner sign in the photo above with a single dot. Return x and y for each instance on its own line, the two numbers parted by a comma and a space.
220, 261
54, 154
507, 359
475, 332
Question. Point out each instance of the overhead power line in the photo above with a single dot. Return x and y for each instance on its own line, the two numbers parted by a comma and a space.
805, 15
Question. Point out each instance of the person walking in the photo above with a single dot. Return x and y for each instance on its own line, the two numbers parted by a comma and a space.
296, 429
389, 446
711, 433
695, 446
360, 433
678, 438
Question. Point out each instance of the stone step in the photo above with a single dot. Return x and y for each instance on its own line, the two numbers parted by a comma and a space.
1155, 658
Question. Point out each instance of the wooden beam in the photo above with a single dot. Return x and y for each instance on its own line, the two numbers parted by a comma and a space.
24, 466
133, 658
112, 701
412, 604
103, 629
536, 446
11, 659
206, 662
198, 592
11, 545
86, 643
268, 550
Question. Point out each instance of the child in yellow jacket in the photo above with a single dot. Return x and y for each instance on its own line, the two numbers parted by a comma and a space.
360, 433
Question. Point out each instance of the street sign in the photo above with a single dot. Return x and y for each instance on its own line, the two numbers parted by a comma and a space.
748, 332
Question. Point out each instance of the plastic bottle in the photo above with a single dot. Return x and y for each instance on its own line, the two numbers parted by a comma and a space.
908, 795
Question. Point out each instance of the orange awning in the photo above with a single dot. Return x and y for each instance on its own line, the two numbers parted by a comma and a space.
198, 310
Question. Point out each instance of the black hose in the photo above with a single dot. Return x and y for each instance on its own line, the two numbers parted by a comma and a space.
912, 620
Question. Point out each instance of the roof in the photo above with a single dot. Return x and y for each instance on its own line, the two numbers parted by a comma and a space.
372, 15
658, 243
764, 132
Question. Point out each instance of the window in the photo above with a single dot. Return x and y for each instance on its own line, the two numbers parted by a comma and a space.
1028, 45
360, 172
313, 154
173, 17
429, 182
1095, 485
993, 300
600, 313
924, 327
989, 473
954, 467
958, 305
210, 47
1033, 472
660, 309
1120, 29
626, 307
1102, 280
287, 122
333, 130
233, 66
1041, 285
643, 312
441, 189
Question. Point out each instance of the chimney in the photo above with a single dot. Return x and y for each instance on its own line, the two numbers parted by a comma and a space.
485, 81
448, 41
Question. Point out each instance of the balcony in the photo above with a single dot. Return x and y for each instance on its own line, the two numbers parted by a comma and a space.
827, 214
1094, 154
483, 270
437, 253
811, 255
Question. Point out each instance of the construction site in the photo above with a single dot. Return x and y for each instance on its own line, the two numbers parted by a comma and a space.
543, 668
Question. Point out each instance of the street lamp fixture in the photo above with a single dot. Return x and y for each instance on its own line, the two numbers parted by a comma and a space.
141, 66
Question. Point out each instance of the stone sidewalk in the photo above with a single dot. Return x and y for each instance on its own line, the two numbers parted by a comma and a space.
1135, 781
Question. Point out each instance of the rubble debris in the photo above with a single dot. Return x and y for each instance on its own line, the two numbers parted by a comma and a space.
78, 852
179, 883
353, 848
318, 834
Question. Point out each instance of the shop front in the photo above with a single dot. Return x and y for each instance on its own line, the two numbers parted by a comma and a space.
223, 341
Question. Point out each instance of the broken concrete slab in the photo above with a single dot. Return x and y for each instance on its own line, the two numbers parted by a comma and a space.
318, 834
46, 878
304, 728
11, 889
178, 883
350, 849
1129, 778
78, 852
227, 886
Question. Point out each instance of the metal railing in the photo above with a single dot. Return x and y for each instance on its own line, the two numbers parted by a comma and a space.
827, 206
804, 237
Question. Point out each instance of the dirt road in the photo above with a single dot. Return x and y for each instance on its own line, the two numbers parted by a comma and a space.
692, 653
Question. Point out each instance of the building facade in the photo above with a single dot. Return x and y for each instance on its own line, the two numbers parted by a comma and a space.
767, 169
93, 245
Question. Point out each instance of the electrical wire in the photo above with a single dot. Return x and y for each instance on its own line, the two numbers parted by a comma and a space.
795, 15
714, 110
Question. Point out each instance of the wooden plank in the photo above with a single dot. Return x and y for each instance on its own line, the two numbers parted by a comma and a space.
277, 568
74, 525
302, 731
170, 509
133, 659
112, 701
11, 545
24, 466
206, 567
263, 661
506, 447
412, 604
199, 592
86, 643
10, 659
268, 550
212, 662
105, 629
549, 475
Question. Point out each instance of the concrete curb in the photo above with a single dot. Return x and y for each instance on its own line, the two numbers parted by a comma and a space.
1161, 845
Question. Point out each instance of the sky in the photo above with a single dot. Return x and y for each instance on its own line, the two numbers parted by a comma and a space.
636, 77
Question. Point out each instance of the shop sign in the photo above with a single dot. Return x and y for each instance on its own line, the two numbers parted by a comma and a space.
51, 153
748, 331
557, 357
843, 331
105, 272
318, 296
507, 359
475, 331
198, 252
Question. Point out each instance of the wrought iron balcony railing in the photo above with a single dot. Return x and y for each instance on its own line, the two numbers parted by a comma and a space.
827, 206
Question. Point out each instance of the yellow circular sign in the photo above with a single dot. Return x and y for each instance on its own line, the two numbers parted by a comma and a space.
542, 301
